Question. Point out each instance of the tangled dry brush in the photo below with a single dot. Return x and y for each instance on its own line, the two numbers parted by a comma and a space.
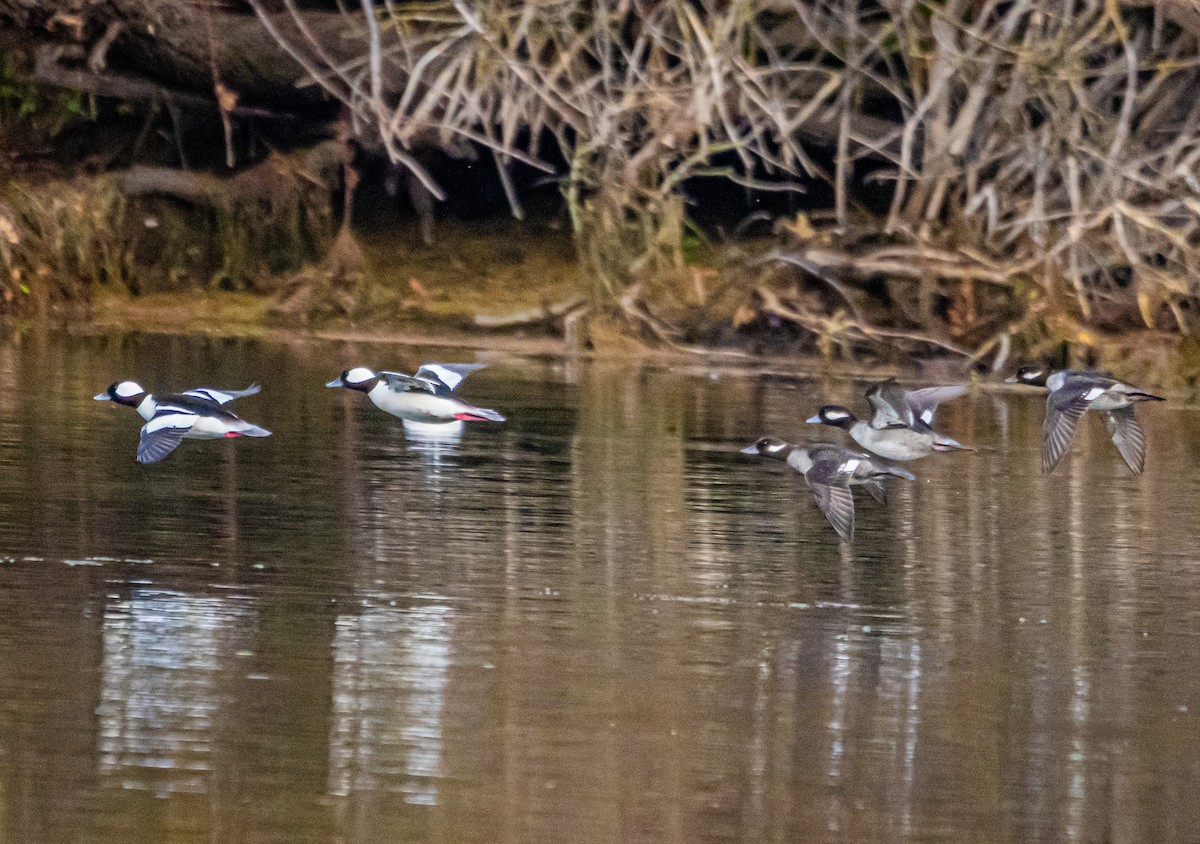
1025, 168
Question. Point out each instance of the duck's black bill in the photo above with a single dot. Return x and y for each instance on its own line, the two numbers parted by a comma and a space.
336, 382
750, 449
102, 397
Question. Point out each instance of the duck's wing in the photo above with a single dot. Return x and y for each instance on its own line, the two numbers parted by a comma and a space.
222, 396
890, 407
449, 375
1127, 436
924, 402
398, 382
876, 488
896, 407
832, 490
162, 434
1064, 407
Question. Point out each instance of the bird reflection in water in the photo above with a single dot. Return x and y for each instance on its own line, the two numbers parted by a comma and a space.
433, 440
164, 655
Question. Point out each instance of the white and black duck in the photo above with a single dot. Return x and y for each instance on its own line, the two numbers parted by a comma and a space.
195, 414
427, 397
1075, 391
901, 425
132, 394
830, 471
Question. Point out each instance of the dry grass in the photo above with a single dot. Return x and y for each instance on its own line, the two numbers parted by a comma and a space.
59, 241
1040, 156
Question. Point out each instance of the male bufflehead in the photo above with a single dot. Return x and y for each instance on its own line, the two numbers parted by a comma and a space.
1073, 391
131, 394
196, 414
425, 397
830, 470
901, 427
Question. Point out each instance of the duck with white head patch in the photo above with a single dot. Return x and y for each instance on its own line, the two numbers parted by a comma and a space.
830, 471
901, 426
132, 394
195, 414
427, 397
1074, 391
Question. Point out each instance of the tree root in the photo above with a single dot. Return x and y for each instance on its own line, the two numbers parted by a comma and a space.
829, 327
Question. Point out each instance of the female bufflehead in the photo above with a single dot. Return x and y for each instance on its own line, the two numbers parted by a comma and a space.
830, 470
901, 427
1073, 391
426, 397
196, 414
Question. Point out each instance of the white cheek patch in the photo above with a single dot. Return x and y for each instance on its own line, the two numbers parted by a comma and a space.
775, 448
359, 374
1094, 393
129, 388
836, 414
927, 417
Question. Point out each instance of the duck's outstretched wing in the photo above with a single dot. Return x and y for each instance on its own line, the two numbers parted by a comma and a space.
896, 407
923, 403
1127, 436
162, 434
832, 490
877, 490
398, 382
1064, 407
222, 396
890, 410
448, 375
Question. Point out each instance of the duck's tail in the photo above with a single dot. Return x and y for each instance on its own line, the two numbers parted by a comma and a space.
944, 443
251, 431
479, 414
898, 472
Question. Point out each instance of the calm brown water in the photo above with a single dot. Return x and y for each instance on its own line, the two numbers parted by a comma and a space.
595, 623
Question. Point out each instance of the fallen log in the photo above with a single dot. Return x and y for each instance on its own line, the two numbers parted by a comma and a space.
548, 314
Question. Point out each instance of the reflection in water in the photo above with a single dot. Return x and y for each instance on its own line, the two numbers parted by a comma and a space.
389, 679
429, 433
161, 697
595, 622
435, 443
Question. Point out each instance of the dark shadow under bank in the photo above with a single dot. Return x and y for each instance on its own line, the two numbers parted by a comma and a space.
1167, 364
748, 297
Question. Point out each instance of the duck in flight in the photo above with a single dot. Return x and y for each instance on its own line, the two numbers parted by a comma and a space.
830, 471
1074, 391
901, 426
428, 396
195, 414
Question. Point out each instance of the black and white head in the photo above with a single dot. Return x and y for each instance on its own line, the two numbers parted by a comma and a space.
1033, 375
128, 393
833, 414
358, 378
771, 447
